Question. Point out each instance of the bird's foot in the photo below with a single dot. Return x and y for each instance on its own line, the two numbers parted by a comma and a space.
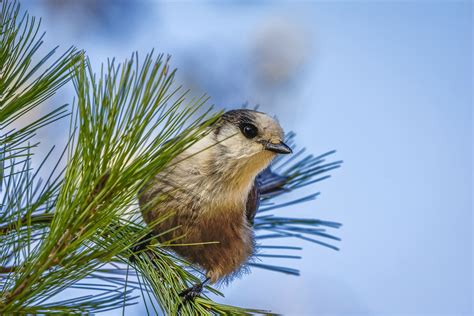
191, 293
139, 246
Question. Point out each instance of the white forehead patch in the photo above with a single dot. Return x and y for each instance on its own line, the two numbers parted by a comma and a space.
267, 125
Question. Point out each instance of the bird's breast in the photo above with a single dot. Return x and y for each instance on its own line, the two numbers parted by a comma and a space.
226, 238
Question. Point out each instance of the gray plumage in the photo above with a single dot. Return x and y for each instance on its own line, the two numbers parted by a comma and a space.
212, 194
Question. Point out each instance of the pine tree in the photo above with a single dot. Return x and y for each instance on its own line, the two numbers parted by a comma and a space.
76, 228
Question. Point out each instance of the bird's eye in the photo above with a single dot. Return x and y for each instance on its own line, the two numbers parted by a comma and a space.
249, 130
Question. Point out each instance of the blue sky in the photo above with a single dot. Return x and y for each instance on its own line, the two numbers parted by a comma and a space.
387, 84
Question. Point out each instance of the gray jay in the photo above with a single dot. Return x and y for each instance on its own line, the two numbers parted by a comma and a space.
212, 193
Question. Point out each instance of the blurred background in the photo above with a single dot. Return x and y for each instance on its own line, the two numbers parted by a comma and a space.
387, 84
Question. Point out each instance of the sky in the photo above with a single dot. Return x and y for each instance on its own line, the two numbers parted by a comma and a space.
386, 84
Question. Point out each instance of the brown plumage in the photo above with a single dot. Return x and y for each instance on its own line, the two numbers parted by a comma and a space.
210, 190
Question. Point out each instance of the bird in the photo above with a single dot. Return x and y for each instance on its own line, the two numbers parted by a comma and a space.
209, 193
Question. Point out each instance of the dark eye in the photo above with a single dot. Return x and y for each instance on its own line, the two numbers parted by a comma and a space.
249, 130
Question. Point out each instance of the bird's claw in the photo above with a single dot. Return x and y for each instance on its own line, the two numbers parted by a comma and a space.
140, 246
191, 293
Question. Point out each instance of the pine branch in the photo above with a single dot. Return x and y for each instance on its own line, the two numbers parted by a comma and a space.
25, 83
115, 151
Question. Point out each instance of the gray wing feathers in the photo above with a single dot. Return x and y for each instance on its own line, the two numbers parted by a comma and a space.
266, 183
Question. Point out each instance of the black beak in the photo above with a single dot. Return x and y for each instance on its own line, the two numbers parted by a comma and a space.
280, 148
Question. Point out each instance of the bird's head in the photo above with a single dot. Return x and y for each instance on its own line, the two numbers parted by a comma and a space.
250, 137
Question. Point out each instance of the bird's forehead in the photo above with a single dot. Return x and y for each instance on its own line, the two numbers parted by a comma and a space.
267, 124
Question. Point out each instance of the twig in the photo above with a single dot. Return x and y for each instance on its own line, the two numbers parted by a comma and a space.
7, 269
37, 219
54, 257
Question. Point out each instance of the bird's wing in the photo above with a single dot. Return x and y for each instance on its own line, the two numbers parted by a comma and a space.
253, 201
266, 183
269, 182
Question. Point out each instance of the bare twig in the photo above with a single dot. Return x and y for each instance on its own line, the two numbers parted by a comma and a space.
7, 269
36, 219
